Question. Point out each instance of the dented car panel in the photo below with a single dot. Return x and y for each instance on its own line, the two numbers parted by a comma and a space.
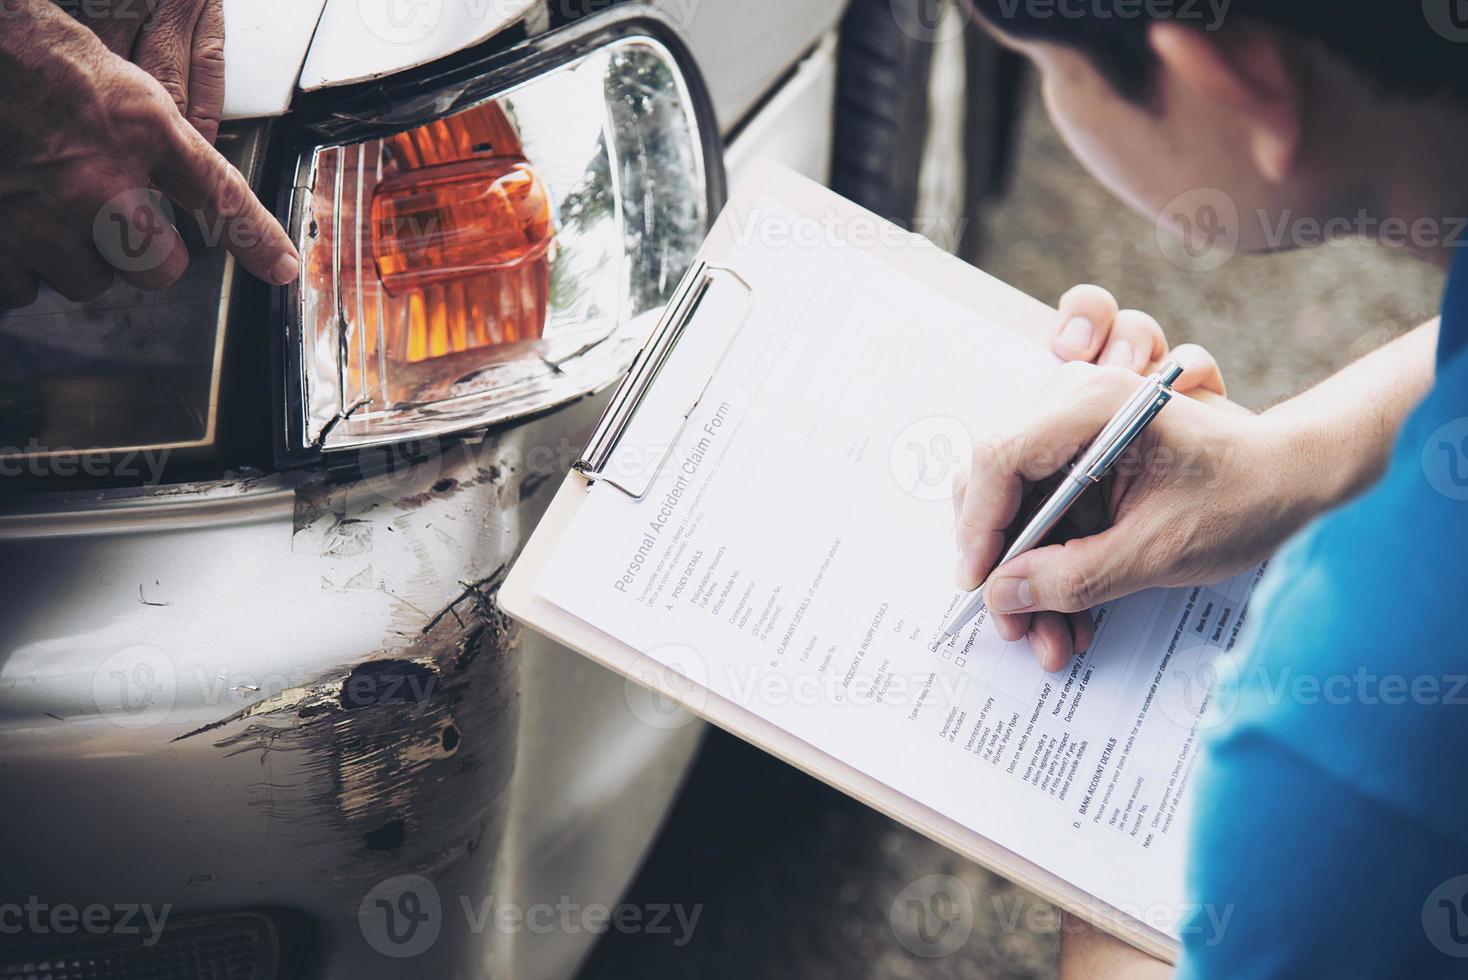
290, 694
253, 716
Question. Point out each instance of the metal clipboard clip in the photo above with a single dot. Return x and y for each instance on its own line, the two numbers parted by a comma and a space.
667, 380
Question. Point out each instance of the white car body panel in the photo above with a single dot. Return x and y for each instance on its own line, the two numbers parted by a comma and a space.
274, 46
740, 54
265, 42
363, 39
794, 127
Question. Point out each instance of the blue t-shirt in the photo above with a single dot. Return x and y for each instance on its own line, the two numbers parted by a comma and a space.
1330, 833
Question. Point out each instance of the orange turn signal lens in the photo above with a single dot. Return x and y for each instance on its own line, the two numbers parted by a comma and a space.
457, 220
502, 252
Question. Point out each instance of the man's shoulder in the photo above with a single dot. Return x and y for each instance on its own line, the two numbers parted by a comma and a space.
1355, 655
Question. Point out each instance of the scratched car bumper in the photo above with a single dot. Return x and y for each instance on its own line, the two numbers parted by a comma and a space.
266, 700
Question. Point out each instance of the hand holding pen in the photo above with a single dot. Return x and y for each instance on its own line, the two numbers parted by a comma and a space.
1191, 502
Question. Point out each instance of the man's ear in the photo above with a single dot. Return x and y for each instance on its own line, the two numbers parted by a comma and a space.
1246, 69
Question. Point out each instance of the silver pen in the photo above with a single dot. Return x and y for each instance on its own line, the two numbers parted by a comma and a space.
1085, 473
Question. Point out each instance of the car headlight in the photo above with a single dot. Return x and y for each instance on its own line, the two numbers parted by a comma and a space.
483, 238
499, 256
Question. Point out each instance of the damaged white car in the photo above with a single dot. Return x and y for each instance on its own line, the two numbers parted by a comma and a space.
259, 714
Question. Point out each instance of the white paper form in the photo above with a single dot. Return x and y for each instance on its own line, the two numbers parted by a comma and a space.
795, 555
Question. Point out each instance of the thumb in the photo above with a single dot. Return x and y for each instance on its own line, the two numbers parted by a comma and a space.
1072, 577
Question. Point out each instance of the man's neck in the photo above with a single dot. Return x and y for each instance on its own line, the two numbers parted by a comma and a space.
1403, 164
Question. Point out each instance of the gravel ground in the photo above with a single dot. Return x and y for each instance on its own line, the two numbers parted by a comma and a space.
794, 879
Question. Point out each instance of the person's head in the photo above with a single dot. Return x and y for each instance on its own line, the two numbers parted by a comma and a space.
1305, 108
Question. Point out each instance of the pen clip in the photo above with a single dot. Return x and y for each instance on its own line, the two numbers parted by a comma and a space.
1128, 423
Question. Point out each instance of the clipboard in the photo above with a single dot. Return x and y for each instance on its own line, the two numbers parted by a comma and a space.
706, 305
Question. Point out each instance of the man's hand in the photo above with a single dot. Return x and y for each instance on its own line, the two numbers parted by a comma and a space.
1202, 495
88, 142
178, 42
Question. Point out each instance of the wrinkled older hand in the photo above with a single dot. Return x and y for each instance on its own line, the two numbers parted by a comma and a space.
179, 42
91, 144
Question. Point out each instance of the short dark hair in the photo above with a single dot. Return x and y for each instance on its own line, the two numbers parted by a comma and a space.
1400, 45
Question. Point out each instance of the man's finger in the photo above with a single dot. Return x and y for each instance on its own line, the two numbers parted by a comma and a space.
1135, 341
1072, 577
1086, 315
1077, 407
1051, 640
1082, 630
199, 179
134, 234
165, 47
206, 71
116, 23
1200, 370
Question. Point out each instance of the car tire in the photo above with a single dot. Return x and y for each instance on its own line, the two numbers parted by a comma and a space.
924, 120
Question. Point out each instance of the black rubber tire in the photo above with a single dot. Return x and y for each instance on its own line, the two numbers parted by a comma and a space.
882, 111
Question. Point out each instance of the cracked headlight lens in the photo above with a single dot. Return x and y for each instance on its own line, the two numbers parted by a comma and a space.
498, 258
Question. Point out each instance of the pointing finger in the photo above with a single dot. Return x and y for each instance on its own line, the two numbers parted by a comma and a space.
199, 179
